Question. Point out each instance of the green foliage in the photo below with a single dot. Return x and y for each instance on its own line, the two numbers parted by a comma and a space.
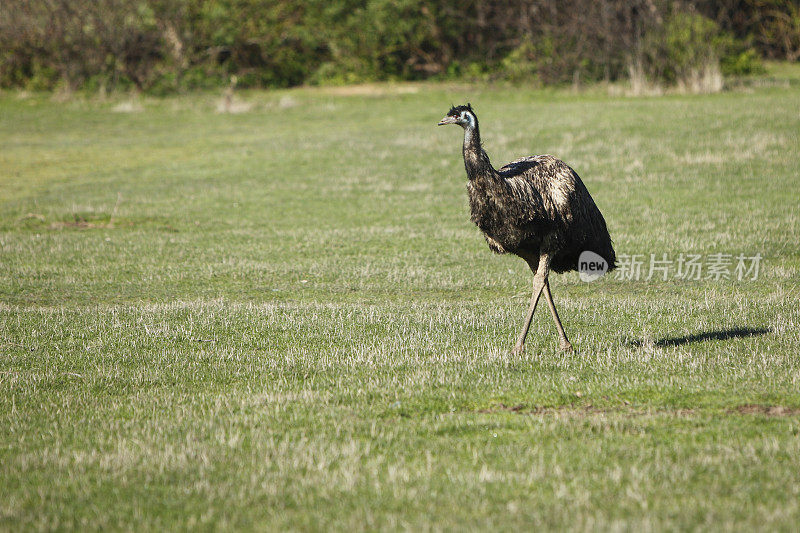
523, 63
690, 46
741, 62
162, 46
39, 78
686, 43
691, 42
380, 40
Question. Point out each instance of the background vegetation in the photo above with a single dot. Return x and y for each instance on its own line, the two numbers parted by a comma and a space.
167, 45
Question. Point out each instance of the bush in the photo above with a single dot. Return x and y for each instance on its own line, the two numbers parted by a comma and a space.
692, 52
741, 63
167, 45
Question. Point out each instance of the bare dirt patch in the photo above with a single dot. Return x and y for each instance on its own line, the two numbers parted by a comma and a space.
502, 407
573, 410
767, 410
590, 410
79, 224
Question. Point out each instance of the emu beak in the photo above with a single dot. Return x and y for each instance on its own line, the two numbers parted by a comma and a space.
447, 120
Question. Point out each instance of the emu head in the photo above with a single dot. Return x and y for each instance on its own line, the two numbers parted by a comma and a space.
461, 115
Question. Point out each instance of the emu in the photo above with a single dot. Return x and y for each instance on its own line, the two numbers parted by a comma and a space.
536, 208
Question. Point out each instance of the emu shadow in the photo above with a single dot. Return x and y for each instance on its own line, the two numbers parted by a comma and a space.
720, 335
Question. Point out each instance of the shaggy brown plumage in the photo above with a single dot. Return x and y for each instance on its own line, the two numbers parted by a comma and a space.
536, 208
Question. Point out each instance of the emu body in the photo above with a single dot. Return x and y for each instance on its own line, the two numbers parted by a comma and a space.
536, 208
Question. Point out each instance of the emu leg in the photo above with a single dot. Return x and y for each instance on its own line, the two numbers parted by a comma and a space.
539, 280
564, 344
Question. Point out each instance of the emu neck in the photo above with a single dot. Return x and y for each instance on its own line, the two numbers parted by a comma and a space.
476, 161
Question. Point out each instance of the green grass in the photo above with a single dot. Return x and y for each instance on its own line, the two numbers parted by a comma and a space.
283, 318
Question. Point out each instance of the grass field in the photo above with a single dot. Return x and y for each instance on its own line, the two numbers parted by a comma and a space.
283, 318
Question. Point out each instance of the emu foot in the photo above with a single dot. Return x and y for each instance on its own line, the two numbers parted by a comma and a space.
519, 349
566, 346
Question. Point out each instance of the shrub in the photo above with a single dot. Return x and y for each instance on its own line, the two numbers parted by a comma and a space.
167, 45
692, 52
